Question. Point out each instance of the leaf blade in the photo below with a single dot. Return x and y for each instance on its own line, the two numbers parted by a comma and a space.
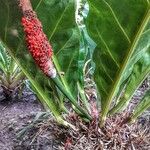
114, 51
140, 71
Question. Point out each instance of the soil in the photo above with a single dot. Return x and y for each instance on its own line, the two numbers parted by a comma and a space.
13, 116
20, 113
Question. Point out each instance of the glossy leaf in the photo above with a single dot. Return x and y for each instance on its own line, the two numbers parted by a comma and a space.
140, 71
116, 27
58, 20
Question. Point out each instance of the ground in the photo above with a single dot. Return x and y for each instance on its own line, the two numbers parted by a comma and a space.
18, 114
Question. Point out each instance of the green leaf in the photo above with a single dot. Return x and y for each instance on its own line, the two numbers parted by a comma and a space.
140, 71
141, 107
116, 27
3, 59
87, 45
58, 20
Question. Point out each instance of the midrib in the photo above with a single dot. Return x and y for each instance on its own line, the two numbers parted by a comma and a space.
126, 61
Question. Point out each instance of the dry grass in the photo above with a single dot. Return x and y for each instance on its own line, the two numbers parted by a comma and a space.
115, 135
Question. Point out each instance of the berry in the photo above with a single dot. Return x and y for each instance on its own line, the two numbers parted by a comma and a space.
37, 43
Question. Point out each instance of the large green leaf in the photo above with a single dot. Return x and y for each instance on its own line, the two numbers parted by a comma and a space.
117, 27
58, 20
140, 71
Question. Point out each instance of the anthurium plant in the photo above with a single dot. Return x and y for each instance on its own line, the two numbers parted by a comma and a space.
52, 49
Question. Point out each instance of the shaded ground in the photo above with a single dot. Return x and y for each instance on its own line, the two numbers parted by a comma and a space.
13, 115
47, 135
17, 114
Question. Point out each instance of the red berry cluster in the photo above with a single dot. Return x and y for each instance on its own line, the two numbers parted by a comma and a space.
37, 41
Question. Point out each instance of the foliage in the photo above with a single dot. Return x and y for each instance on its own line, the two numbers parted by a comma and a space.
140, 71
141, 107
120, 32
62, 31
122, 38
11, 77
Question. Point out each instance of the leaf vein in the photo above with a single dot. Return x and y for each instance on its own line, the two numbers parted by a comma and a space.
117, 20
38, 5
107, 48
63, 46
106, 72
57, 24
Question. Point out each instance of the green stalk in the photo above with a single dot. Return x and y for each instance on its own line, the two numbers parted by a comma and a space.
124, 101
61, 103
83, 97
70, 97
64, 123
57, 66
142, 106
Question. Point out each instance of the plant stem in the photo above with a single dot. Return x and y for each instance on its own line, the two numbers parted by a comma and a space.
83, 97
124, 101
142, 106
57, 66
70, 97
